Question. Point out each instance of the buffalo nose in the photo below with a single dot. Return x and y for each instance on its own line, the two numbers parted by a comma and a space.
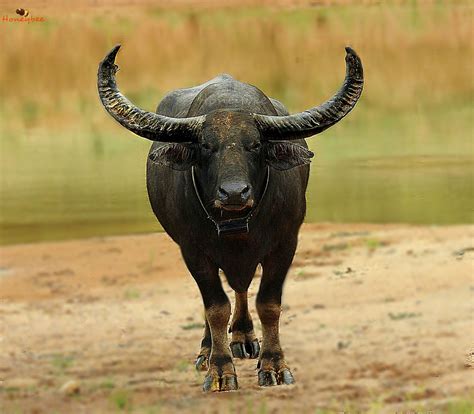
234, 193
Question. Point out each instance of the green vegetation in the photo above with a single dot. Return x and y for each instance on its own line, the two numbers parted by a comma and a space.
121, 399
11, 390
403, 315
182, 366
194, 325
131, 294
108, 383
62, 362
460, 407
335, 247
373, 244
404, 155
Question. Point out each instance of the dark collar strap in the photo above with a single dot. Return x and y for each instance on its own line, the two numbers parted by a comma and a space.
231, 226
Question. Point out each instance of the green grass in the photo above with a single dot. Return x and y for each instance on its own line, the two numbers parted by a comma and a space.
300, 272
62, 362
373, 244
193, 325
182, 366
11, 390
460, 407
131, 294
108, 383
121, 400
335, 247
403, 315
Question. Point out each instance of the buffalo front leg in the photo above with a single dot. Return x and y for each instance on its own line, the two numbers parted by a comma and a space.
244, 342
221, 372
273, 368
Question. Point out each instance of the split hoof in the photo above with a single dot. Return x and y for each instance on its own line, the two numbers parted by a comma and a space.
285, 377
271, 378
225, 382
267, 378
242, 350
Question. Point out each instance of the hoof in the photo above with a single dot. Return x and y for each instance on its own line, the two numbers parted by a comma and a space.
201, 363
225, 382
245, 350
285, 377
270, 378
267, 378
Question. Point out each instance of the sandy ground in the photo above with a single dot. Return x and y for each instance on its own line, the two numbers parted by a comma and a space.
375, 318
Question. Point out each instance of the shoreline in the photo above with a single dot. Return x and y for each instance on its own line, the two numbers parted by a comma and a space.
373, 316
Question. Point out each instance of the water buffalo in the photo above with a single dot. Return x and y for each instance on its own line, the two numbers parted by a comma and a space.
226, 178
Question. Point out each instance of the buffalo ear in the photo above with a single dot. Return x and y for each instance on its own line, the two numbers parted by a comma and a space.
285, 155
176, 156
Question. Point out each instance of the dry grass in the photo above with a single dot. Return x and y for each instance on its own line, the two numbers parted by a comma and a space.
414, 56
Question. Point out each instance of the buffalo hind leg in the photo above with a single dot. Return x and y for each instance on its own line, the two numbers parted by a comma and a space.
221, 371
273, 369
202, 360
244, 342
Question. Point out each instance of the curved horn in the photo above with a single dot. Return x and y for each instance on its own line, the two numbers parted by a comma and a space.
145, 124
317, 119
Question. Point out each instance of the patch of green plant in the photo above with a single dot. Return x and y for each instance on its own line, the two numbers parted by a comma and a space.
299, 272
131, 294
11, 390
335, 247
403, 315
62, 362
373, 244
30, 111
121, 399
253, 408
155, 409
460, 407
182, 366
321, 326
108, 383
193, 325
262, 408
348, 234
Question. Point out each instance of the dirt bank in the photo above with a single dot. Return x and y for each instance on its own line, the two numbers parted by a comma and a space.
375, 317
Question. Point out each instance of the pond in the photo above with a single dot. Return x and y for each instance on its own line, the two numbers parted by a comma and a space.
80, 186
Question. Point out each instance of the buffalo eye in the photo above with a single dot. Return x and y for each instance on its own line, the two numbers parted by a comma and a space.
286, 155
173, 155
206, 146
255, 146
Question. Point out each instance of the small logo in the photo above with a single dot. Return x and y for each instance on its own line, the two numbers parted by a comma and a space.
24, 16
23, 12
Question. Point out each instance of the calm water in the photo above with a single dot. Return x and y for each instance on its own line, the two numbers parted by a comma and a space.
79, 186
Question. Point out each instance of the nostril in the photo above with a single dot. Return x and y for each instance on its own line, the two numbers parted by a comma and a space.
245, 193
222, 193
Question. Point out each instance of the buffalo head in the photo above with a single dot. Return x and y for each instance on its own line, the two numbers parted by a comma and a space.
230, 151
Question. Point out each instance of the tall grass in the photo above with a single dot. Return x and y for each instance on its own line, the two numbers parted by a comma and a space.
414, 56
67, 170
